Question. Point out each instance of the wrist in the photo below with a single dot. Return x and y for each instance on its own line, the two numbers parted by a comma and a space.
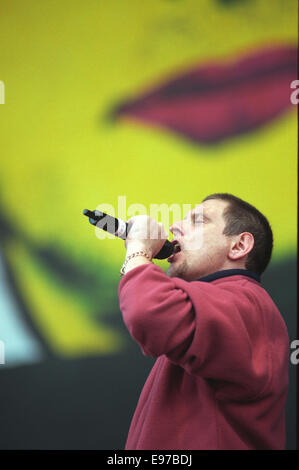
136, 258
137, 246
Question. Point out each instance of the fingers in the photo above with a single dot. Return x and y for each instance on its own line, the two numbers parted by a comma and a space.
162, 232
143, 226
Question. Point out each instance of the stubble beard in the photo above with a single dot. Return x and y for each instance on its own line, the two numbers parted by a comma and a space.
177, 271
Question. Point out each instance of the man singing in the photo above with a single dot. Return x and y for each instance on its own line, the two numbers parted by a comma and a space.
220, 380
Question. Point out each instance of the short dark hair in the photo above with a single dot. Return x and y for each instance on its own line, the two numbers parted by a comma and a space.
240, 216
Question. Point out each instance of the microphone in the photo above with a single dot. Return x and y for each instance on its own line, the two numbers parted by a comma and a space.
120, 229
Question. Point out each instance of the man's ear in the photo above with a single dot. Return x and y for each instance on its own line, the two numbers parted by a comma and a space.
241, 245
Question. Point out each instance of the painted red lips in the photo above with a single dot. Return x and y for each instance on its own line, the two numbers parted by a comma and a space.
214, 102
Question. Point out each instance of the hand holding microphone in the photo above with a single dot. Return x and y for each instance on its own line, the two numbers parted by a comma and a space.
145, 233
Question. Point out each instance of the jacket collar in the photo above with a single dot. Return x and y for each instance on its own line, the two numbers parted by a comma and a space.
230, 272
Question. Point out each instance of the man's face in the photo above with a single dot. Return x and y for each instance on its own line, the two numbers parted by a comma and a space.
204, 248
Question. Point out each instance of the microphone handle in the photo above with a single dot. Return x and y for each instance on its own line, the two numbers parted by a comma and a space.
119, 228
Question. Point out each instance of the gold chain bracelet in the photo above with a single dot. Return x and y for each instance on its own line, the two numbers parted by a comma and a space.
133, 255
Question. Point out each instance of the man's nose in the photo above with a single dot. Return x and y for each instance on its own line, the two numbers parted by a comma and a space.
177, 229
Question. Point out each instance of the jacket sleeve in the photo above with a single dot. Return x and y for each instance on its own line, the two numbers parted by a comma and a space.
216, 333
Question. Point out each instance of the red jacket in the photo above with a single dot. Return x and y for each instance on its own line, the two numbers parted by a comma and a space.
221, 377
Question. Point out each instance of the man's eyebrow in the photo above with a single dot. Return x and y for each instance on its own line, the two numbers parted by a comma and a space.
206, 217
195, 213
202, 213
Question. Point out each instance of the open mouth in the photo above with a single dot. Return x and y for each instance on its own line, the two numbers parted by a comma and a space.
216, 101
176, 249
176, 246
